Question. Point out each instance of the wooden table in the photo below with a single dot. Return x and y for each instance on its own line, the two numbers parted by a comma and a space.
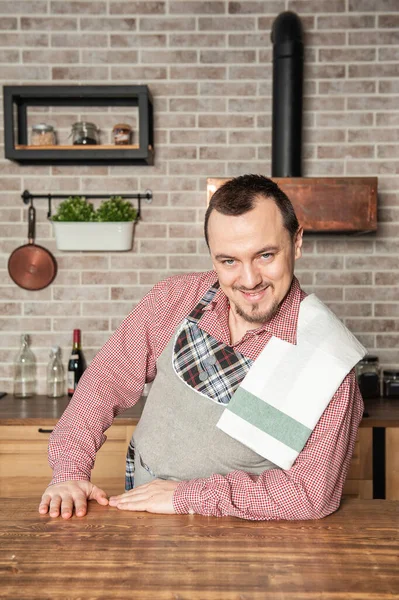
350, 555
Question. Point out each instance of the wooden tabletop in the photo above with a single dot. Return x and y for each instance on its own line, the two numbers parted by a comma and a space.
380, 412
110, 554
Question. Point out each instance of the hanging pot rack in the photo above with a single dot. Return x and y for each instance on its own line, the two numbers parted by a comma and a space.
27, 198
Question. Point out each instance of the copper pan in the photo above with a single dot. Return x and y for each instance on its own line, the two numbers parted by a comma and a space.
31, 266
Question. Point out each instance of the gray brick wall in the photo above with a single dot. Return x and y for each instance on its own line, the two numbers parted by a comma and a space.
208, 65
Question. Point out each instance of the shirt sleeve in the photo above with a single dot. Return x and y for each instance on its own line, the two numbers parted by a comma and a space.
311, 489
113, 382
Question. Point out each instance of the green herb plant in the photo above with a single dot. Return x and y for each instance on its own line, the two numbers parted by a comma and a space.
76, 208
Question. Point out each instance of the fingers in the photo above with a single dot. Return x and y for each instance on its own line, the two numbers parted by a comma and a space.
44, 504
99, 495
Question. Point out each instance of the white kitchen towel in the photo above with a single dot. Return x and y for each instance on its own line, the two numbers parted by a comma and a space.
288, 387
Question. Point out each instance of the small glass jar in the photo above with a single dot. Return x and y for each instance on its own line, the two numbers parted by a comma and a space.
42, 135
391, 384
368, 377
85, 133
122, 133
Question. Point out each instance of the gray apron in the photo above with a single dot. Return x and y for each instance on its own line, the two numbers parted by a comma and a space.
176, 437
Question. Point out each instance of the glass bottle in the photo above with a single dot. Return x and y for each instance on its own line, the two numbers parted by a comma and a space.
76, 364
368, 377
25, 370
55, 374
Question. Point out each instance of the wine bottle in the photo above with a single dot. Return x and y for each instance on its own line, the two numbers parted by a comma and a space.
76, 364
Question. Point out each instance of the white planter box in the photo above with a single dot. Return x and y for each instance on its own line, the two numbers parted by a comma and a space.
99, 237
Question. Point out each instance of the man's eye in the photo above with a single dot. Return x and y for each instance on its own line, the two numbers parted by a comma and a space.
266, 255
229, 261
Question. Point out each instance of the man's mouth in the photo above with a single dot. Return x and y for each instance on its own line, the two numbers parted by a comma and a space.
254, 296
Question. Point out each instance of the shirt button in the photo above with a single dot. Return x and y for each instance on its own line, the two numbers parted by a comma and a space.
211, 360
203, 376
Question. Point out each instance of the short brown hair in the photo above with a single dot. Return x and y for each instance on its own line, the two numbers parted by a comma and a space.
238, 196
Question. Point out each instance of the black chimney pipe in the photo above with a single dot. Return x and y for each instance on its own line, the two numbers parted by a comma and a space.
287, 95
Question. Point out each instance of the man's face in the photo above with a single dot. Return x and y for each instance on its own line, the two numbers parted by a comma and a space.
254, 257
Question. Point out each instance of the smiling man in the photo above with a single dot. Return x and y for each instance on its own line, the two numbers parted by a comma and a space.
254, 406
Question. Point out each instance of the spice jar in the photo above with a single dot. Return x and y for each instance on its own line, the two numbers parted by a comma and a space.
122, 133
391, 384
368, 376
84, 133
42, 135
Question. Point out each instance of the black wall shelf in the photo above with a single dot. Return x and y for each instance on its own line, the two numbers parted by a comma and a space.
17, 99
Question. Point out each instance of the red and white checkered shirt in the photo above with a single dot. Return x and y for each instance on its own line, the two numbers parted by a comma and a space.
114, 381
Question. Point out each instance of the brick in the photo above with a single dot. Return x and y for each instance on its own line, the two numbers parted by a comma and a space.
325, 293
186, 231
389, 21
387, 309
223, 153
167, 24
387, 341
190, 263
347, 54
250, 105
325, 38
258, 73
226, 24
125, 293
316, 6
372, 6
50, 56
227, 56
23, 324
196, 73
345, 21
177, 153
374, 135
375, 71
137, 40
196, 40
196, 8
168, 56
95, 293
24, 40
351, 309
19, 73
225, 121
78, 7
83, 323
211, 88
372, 294
78, 40
342, 278
388, 54
80, 73
51, 309
109, 309
242, 8
326, 71
320, 104
196, 168
190, 199
386, 278
374, 167
167, 215
150, 278
347, 87
388, 151
23, 7
9, 56
137, 8
345, 151
249, 40
321, 262
374, 38
107, 24
8, 23
49, 23
168, 88
10, 308
344, 119
387, 247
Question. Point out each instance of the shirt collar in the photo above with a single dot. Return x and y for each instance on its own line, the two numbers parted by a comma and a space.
282, 325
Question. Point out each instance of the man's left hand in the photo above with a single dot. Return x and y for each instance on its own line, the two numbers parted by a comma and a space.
154, 497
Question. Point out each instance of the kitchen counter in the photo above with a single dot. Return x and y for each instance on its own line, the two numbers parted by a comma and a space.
381, 412
349, 555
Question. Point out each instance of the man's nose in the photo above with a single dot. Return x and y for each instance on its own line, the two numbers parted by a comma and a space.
250, 276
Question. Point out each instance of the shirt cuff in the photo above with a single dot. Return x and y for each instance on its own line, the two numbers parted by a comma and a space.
181, 502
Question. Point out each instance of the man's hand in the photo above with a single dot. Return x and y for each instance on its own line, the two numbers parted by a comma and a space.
154, 497
63, 497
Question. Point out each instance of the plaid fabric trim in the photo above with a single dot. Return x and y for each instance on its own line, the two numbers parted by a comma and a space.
206, 365
129, 474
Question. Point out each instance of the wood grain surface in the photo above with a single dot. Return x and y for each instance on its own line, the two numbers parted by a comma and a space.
350, 555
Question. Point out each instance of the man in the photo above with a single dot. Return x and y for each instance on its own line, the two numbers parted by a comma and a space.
199, 338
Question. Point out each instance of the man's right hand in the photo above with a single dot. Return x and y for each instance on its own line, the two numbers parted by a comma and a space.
62, 498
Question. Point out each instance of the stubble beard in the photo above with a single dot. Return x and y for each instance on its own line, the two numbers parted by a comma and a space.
256, 317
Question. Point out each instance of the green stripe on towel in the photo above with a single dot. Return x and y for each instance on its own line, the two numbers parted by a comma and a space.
269, 419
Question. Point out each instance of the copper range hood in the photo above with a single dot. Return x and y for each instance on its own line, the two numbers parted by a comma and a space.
322, 204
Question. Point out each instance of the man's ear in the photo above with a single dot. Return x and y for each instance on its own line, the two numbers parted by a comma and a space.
298, 243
